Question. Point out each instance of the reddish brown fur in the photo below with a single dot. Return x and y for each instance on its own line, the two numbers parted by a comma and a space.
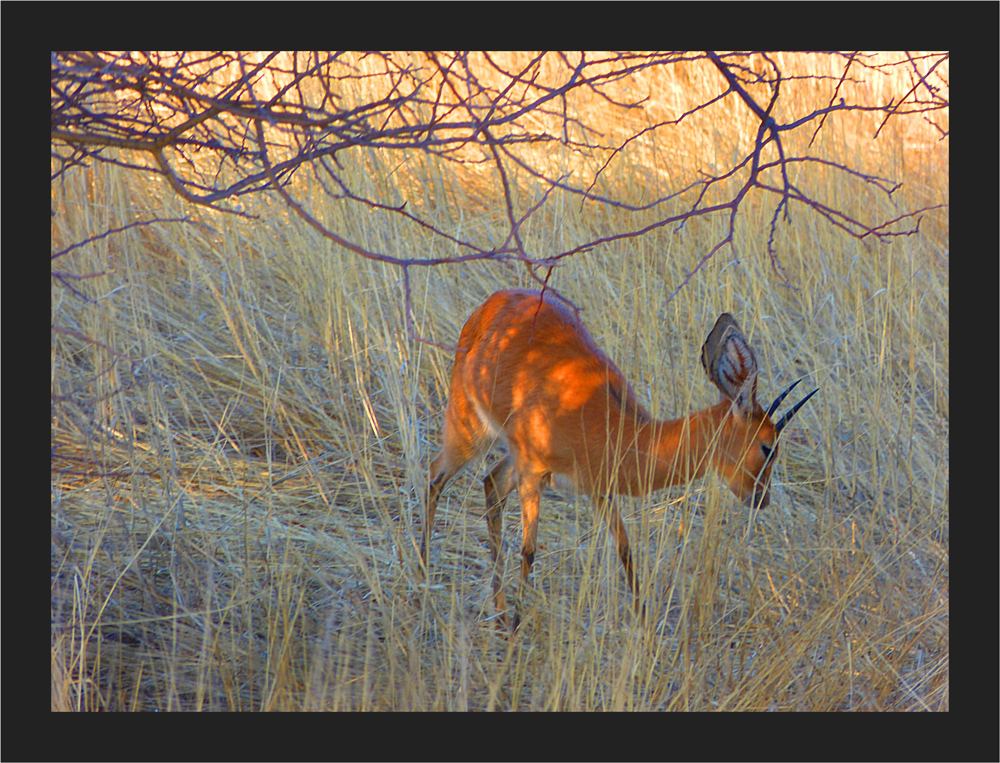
527, 371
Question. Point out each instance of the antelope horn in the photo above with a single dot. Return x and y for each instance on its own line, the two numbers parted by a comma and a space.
782, 396
794, 409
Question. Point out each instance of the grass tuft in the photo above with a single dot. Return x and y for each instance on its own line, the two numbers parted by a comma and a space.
241, 429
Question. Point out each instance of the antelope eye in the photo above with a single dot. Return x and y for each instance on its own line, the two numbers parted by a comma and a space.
767, 450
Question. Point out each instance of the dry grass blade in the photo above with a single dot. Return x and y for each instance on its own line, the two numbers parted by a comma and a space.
241, 424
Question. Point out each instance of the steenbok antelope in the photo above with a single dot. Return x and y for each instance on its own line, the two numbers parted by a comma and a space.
528, 373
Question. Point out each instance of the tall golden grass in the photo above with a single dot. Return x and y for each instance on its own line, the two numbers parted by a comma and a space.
241, 427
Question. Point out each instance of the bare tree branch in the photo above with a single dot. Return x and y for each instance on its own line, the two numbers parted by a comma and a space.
219, 126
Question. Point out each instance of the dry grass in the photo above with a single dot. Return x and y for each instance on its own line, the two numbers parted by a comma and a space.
241, 429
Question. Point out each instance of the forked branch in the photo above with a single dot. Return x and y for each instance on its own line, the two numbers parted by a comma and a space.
221, 126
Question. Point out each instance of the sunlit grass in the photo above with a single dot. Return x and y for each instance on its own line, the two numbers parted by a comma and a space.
241, 429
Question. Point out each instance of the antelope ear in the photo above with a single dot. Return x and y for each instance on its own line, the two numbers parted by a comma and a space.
730, 363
